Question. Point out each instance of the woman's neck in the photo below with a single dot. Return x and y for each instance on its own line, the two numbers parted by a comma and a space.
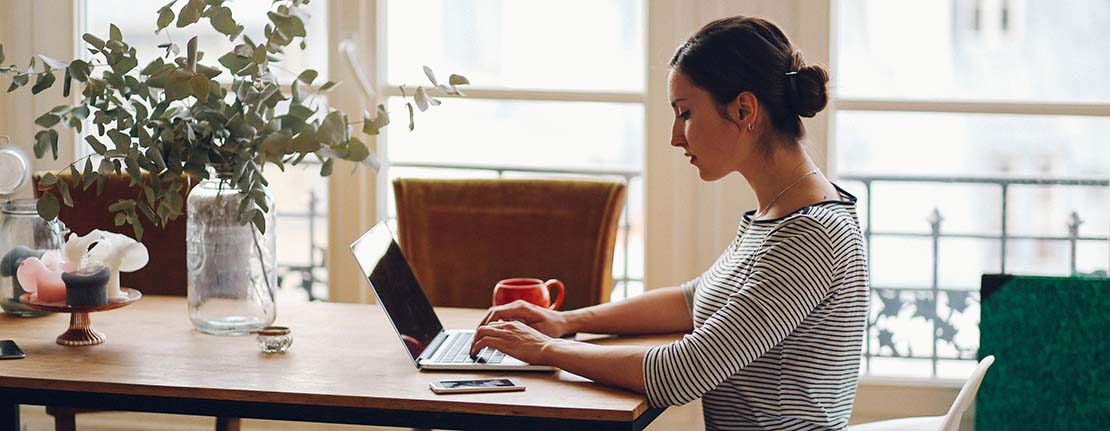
785, 181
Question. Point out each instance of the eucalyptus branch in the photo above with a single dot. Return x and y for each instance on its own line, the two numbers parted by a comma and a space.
172, 116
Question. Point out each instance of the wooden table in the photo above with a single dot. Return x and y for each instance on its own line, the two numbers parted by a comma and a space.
345, 366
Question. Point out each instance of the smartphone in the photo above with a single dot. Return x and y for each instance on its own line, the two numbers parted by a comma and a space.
9, 350
479, 385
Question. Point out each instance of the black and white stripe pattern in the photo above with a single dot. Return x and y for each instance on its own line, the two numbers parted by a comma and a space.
778, 326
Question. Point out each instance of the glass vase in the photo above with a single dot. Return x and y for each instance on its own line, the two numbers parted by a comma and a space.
231, 266
23, 234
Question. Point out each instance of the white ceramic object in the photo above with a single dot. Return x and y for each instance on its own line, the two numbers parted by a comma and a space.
116, 251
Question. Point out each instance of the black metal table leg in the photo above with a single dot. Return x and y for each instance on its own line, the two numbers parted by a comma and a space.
9, 415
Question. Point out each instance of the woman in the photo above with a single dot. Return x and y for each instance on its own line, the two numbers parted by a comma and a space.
777, 321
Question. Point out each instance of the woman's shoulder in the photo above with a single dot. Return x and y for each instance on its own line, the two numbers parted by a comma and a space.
827, 220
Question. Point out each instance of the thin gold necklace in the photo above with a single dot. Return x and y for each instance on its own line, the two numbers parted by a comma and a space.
759, 214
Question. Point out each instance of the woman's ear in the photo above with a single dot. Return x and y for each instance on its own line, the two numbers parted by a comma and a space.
747, 108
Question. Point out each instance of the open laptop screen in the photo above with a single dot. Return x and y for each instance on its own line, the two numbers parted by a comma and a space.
398, 291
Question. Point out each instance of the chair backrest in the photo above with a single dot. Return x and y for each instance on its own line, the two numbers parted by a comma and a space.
966, 396
463, 236
165, 274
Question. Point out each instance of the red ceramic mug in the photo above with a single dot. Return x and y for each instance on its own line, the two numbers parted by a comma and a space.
532, 290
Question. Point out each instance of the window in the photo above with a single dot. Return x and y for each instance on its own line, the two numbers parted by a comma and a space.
543, 101
1004, 171
299, 192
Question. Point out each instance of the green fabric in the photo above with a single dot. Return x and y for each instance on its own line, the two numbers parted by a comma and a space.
1051, 338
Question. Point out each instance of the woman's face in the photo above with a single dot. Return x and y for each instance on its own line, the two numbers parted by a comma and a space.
710, 141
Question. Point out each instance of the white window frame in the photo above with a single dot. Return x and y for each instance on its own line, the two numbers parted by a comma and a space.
687, 222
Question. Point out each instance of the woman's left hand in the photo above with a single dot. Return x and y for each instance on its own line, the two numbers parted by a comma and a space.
512, 338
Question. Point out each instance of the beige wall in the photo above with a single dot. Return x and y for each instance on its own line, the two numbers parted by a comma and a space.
27, 28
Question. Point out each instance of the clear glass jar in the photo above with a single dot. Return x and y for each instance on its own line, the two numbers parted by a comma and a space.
23, 234
274, 339
231, 267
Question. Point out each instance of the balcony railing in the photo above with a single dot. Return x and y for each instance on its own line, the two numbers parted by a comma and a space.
888, 302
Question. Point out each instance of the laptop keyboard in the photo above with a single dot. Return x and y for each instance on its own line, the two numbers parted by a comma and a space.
456, 350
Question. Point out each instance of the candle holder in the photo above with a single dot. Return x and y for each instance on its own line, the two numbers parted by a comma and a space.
81, 332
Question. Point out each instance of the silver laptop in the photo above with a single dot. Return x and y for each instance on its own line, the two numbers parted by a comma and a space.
408, 308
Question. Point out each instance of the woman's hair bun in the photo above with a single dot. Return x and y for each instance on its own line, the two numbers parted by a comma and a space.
807, 88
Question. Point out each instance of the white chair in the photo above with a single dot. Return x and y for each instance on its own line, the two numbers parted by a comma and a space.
948, 422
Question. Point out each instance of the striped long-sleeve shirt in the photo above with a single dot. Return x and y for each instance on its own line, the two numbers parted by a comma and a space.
778, 326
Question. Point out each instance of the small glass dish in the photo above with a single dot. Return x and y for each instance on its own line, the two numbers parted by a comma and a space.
274, 339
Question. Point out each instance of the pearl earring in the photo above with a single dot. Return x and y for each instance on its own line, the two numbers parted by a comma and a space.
751, 127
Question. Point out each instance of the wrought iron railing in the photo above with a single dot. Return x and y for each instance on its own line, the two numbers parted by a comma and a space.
621, 276
310, 276
889, 301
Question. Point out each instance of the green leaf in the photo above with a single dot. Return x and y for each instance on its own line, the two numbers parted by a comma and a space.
48, 206
165, 18
18, 80
431, 75
305, 142
80, 112
328, 86
374, 126
124, 65
201, 86
308, 76
458, 80
325, 169
123, 204
114, 33
138, 229
45, 140
96, 42
259, 220
209, 72
289, 26
43, 82
121, 218
191, 54
96, 145
52, 63
356, 150
179, 85
67, 83
421, 98
122, 140
190, 13
80, 70
47, 120
156, 156
48, 179
63, 187
222, 20
412, 117
333, 130
234, 62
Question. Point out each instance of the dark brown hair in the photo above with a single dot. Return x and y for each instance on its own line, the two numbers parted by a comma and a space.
732, 55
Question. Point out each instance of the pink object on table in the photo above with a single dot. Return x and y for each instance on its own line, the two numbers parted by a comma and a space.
36, 276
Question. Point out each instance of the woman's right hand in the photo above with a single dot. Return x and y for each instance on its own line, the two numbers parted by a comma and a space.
550, 322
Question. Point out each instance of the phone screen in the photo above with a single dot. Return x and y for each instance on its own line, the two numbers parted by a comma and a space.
9, 350
483, 383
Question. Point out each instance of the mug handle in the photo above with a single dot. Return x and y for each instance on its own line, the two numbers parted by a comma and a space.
558, 298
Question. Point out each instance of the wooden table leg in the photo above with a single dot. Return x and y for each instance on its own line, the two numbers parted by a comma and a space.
9, 415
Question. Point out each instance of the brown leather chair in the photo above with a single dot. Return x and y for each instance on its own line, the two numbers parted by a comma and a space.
165, 274
462, 236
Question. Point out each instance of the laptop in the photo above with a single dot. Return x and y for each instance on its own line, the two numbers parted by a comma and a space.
412, 316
